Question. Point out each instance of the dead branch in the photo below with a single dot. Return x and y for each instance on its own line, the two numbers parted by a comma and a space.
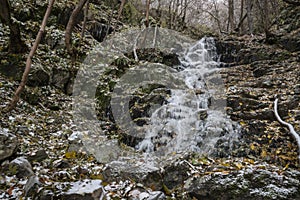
21, 87
70, 26
291, 128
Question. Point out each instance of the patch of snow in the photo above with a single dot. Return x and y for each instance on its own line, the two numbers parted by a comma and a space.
84, 186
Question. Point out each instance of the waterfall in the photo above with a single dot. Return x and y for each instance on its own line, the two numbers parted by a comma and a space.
192, 119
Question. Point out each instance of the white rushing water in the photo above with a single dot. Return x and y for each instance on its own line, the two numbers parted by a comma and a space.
192, 120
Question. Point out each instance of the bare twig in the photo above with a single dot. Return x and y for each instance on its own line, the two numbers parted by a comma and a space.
291, 128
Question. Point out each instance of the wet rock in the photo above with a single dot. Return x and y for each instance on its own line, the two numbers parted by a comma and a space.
202, 114
8, 144
153, 55
99, 30
21, 167
245, 184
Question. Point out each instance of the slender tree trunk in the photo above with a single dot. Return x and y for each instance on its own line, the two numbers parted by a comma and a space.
266, 18
241, 24
16, 44
176, 7
230, 16
121, 9
86, 12
70, 26
159, 11
249, 6
21, 87
171, 13
184, 11
147, 12
216, 17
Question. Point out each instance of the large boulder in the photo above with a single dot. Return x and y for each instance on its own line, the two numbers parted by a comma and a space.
245, 184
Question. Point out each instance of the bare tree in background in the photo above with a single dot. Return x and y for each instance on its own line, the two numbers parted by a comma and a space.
86, 10
16, 44
231, 24
147, 12
69, 29
240, 27
121, 9
21, 87
249, 6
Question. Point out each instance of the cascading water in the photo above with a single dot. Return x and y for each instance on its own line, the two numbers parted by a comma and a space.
192, 120
187, 114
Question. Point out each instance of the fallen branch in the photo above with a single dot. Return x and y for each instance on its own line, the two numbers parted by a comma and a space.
292, 130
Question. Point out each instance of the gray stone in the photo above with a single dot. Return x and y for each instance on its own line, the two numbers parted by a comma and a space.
32, 186
245, 184
79, 190
8, 144
22, 166
145, 174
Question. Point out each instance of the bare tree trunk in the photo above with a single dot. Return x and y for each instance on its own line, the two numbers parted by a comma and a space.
231, 25
240, 27
171, 13
184, 11
216, 16
16, 44
176, 7
266, 18
249, 6
159, 11
21, 87
86, 10
147, 12
70, 26
121, 9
